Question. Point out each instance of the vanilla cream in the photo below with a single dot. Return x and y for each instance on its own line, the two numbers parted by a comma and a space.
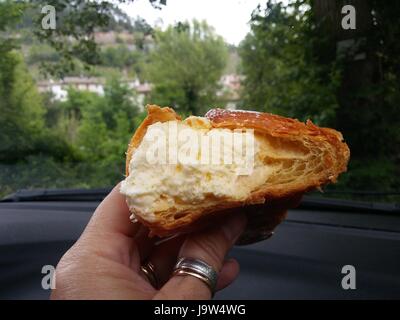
191, 165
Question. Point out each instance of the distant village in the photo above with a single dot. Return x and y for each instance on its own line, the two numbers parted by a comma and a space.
229, 84
229, 92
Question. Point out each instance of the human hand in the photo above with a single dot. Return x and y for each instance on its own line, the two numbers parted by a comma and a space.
105, 262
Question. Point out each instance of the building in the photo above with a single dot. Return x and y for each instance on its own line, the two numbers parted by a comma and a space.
228, 95
59, 88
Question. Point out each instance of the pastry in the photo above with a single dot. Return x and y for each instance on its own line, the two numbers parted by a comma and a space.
173, 184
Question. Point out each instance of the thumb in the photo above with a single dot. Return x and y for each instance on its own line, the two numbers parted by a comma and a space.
210, 246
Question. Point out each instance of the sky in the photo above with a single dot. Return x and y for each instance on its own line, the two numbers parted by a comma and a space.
228, 17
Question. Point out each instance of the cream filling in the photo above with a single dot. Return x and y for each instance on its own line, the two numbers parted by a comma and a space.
185, 170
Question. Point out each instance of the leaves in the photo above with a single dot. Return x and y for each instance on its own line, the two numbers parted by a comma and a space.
281, 73
73, 37
21, 110
291, 68
186, 65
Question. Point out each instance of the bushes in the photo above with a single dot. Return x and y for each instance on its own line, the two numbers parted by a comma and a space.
44, 171
81, 142
21, 109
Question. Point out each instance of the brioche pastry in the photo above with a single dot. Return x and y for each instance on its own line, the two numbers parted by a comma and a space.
290, 158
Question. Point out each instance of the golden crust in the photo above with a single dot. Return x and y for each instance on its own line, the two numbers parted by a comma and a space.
154, 114
291, 129
266, 206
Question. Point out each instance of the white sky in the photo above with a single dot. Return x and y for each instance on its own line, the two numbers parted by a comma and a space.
229, 17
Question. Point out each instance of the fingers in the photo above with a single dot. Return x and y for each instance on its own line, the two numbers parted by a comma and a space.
111, 233
164, 257
210, 246
112, 216
229, 272
143, 247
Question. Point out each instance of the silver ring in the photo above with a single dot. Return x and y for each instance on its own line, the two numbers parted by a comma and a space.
149, 270
198, 269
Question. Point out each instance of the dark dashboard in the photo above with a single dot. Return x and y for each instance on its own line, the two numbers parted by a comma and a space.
303, 260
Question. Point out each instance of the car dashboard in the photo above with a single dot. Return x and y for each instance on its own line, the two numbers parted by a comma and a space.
303, 260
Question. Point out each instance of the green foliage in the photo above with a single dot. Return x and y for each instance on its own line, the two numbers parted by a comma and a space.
104, 129
123, 58
49, 144
118, 98
82, 145
21, 120
107, 124
78, 101
119, 57
291, 68
10, 13
77, 20
42, 54
376, 173
283, 75
289, 61
29, 173
185, 67
370, 94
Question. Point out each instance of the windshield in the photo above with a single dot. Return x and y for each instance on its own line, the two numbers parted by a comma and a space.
75, 77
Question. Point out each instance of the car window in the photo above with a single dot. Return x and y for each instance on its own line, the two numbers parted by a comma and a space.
75, 79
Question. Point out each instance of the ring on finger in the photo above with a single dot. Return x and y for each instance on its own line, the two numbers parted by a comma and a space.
149, 270
198, 269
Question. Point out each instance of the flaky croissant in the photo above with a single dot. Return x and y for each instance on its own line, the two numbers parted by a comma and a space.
291, 158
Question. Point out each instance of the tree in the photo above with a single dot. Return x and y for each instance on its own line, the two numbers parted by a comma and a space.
118, 100
282, 72
120, 57
77, 143
299, 62
105, 129
185, 67
77, 20
21, 110
369, 91
21, 120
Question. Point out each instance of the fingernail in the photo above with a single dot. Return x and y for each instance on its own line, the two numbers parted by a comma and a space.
234, 226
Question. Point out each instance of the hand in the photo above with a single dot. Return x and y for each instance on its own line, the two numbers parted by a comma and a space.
105, 262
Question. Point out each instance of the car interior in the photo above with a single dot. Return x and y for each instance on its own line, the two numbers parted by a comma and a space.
304, 258
78, 78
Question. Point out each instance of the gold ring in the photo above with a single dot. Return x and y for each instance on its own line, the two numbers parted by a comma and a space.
149, 270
